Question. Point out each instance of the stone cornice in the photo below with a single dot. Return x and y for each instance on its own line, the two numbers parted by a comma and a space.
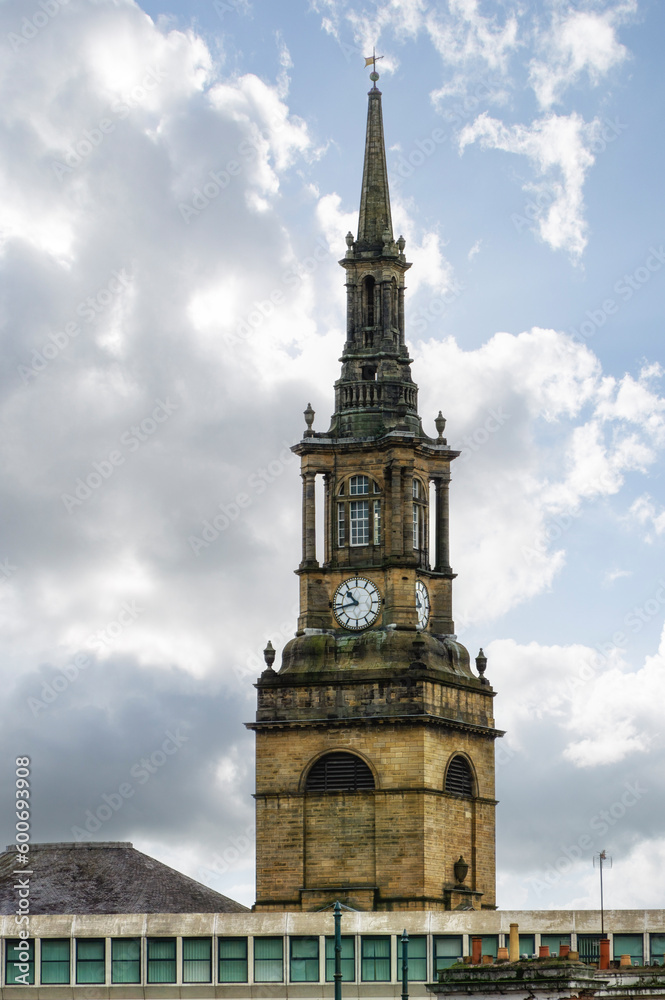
486, 732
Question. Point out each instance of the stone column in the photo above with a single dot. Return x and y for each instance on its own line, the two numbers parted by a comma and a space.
329, 527
396, 512
386, 321
407, 514
350, 312
308, 519
400, 313
442, 554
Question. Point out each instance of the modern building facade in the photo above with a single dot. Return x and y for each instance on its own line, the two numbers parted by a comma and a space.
108, 921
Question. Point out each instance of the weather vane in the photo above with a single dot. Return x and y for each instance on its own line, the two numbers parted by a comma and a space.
371, 61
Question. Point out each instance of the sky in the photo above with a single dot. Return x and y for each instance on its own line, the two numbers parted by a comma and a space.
176, 180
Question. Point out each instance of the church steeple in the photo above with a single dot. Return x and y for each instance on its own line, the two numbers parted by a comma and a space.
375, 221
374, 740
375, 393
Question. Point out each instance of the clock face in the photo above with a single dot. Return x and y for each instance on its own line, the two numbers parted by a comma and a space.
422, 604
357, 603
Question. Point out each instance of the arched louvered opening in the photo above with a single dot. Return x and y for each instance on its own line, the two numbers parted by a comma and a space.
368, 304
459, 779
339, 772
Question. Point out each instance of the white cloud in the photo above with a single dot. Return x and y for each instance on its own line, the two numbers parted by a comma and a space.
403, 17
603, 709
463, 37
586, 751
645, 512
514, 502
612, 575
173, 135
578, 42
467, 37
558, 148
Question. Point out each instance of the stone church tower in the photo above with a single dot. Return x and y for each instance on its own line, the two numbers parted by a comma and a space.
375, 740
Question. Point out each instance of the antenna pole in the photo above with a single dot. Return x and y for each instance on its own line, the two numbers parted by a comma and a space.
602, 912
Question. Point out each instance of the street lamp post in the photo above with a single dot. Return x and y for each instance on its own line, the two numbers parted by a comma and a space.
337, 913
405, 965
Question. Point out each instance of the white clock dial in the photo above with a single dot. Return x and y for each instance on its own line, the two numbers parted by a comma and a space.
357, 603
422, 604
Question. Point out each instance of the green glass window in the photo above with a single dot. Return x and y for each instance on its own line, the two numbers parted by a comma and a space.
268, 960
55, 960
348, 959
375, 959
447, 950
554, 942
304, 965
126, 960
629, 944
416, 953
490, 944
197, 960
588, 946
161, 960
233, 960
20, 962
527, 944
90, 966
657, 949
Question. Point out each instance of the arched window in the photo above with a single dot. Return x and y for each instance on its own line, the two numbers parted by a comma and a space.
459, 780
339, 772
420, 528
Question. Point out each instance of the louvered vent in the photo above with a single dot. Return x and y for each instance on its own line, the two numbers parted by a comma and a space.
339, 772
458, 779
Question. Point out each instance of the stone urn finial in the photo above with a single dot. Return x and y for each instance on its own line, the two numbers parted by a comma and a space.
440, 424
481, 666
269, 655
461, 870
309, 417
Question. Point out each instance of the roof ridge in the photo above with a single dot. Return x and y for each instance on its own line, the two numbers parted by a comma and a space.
77, 845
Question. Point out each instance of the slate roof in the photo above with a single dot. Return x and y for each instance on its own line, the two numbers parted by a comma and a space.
105, 878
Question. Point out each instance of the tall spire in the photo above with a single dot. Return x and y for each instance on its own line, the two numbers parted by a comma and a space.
375, 217
375, 393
